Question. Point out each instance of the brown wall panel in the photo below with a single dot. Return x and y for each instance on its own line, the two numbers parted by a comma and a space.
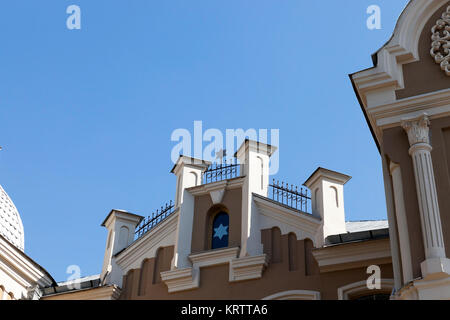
395, 148
204, 210
277, 278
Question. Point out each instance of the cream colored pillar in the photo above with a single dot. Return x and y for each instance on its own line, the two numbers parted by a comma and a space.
402, 222
254, 157
420, 151
189, 173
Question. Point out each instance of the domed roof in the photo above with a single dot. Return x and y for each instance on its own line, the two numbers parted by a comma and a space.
11, 226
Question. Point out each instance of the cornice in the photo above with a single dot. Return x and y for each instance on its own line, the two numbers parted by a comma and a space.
352, 255
247, 268
228, 184
180, 279
239, 269
435, 104
377, 85
24, 271
213, 257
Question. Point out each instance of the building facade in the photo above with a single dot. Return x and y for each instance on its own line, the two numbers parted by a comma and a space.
232, 233
405, 97
20, 276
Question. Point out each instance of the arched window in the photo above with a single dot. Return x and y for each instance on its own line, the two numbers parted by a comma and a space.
220, 231
359, 291
375, 297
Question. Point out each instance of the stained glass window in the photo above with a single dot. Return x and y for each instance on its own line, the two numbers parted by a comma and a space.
220, 231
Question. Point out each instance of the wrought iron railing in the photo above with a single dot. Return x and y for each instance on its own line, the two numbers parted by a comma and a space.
291, 196
153, 220
222, 171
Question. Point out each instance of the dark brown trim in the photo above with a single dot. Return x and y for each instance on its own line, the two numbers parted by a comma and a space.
364, 110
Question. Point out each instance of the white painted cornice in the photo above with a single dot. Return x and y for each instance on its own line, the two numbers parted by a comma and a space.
352, 255
403, 47
185, 161
322, 173
161, 235
122, 215
20, 268
240, 269
247, 268
435, 104
213, 257
255, 146
180, 279
228, 184
189, 278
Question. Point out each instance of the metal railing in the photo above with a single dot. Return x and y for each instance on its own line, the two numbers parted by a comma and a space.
222, 171
153, 220
291, 196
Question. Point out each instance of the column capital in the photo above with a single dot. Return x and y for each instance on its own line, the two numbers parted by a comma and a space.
417, 130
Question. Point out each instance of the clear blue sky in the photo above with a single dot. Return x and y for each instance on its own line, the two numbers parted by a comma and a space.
87, 115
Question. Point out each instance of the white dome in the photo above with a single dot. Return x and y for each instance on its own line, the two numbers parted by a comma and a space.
11, 226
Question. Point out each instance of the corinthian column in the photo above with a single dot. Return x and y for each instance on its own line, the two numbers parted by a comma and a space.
420, 151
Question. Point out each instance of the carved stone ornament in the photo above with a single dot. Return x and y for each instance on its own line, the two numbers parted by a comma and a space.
417, 130
440, 46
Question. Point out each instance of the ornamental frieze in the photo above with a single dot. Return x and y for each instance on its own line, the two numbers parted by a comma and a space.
440, 46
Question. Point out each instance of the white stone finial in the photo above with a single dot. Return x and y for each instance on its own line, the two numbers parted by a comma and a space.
417, 130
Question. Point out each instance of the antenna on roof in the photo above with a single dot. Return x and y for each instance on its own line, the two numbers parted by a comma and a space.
220, 155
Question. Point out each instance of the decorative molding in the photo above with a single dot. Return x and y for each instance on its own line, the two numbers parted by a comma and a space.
247, 268
240, 269
214, 257
295, 295
435, 104
217, 195
18, 272
352, 255
440, 47
345, 292
376, 86
181, 279
417, 130
228, 184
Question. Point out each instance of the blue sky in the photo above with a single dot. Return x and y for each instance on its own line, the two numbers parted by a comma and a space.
87, 115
